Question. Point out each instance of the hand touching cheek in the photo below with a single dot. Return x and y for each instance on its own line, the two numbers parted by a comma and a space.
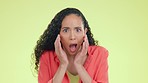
82, 54
60, 52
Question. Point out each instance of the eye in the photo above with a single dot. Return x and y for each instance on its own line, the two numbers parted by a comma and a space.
78, 30
65, 30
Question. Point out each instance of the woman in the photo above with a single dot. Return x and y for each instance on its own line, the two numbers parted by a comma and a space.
67, 47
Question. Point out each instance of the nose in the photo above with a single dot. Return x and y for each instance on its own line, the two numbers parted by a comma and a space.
72, 36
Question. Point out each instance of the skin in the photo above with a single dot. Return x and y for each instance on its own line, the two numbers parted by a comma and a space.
72, 32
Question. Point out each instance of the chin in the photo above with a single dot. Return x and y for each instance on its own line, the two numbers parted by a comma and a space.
72, 54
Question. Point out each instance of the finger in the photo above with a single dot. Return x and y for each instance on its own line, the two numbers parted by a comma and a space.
56, 40
59, 43
87, 43
56, 43
83, 47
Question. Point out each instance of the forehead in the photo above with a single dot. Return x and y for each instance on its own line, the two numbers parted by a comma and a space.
72, 20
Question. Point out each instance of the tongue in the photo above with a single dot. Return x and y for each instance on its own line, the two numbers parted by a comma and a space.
72, 48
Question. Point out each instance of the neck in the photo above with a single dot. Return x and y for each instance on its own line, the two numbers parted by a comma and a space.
71, 67
71, 58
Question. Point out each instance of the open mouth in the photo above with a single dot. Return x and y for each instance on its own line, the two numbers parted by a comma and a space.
73, 47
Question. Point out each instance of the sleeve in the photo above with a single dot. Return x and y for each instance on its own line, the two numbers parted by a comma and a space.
43, 73
102, 71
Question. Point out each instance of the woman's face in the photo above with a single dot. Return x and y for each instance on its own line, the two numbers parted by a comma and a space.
72, 34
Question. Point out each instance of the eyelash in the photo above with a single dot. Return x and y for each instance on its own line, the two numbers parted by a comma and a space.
78, 30
66, 30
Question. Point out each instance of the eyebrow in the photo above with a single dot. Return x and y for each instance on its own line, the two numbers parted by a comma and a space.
77, 27
69, 27
65, 28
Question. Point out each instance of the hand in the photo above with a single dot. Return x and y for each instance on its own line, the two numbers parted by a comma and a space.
60, 52
82, 54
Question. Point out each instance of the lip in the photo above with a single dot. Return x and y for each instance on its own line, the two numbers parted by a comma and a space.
73, 43
76, 46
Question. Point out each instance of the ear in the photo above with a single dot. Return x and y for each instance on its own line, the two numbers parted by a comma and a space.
85, 31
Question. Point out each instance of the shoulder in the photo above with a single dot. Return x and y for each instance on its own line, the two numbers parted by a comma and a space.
46, 55
98, 50
95, 48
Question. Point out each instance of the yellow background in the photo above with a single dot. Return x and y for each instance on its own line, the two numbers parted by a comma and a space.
120, 25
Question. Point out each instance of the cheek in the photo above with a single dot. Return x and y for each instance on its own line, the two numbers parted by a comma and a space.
62, 36
63, 40
81, 39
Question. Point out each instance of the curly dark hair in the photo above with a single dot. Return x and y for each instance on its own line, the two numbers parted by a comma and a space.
47, 39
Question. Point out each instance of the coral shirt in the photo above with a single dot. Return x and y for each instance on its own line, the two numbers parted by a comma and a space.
96, 65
